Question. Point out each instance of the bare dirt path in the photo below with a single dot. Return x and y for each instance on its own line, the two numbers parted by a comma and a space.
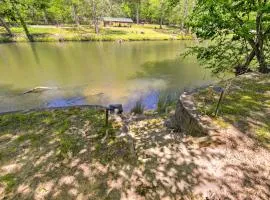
225, 165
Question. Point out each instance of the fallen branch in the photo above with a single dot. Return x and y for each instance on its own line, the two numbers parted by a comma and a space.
40, 89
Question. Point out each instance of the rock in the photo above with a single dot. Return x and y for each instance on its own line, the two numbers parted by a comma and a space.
170, 123
124, 128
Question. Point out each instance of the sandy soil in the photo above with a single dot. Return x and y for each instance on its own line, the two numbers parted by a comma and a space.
224, 165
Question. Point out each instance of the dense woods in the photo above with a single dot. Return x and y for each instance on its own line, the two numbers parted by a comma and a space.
78, 12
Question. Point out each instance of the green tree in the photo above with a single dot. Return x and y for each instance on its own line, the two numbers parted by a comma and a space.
14, 9
135, 8
98, 8
5, 25
238, 31
5, 12
161, 8
59, 11
126, 9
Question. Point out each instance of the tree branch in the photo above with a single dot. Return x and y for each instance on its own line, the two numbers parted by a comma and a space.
267, 31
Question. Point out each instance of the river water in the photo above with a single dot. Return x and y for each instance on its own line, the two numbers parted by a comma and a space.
102, 73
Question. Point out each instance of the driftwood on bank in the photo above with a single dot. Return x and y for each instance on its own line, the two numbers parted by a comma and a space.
40, 89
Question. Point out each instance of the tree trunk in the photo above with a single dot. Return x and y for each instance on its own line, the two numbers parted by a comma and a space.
4, 24
75, 16
95, 17
96, 26
185, 14
244, 68
45, 17
29, 36
259, 44
138, 13
161, 22
259, 53
263, 68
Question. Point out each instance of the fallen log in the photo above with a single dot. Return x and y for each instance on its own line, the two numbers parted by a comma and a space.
40, 89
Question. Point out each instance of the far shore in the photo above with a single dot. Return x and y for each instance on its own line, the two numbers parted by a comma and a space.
51, 33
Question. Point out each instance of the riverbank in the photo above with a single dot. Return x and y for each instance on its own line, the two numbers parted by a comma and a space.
58, 153
236, 142
85, 33
69, 153
245, 106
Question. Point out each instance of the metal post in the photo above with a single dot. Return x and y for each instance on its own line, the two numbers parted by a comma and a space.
107, 117
219, 102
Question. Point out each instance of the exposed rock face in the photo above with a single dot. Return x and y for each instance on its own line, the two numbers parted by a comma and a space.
187, 119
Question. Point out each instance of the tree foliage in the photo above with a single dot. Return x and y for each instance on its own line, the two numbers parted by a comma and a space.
90, 12
237, 32
81, 11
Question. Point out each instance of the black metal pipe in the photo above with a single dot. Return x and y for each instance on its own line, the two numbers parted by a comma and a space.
107, 117
219, 102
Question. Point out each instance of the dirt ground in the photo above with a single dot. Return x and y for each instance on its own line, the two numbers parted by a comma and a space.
145, 160
227, 164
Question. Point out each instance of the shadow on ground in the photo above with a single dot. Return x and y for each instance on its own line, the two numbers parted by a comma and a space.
69, 154
246, 105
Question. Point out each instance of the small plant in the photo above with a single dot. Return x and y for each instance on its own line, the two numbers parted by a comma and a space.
162, 103
9, 180
138, 108
166, 101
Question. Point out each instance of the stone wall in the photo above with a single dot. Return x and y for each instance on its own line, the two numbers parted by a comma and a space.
188, 119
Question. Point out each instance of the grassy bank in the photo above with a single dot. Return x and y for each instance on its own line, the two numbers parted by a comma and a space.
86, 33
70, 154
58, 154
246, 105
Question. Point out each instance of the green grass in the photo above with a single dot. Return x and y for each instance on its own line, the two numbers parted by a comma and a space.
9, 180
48, 142
167, 102
138, 108
246, 105
86, 33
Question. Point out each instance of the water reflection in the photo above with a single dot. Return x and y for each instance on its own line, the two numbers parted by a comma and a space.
66, 102
94, 73
34, 52
149, 101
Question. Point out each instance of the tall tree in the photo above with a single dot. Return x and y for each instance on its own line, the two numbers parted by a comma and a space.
5, 12
95, 14
15, 6
4, 24
74, 11
185, 13
138, 6
135, 6
239, 30
98, 8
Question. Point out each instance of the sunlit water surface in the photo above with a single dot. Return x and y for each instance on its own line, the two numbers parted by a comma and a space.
99, 73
